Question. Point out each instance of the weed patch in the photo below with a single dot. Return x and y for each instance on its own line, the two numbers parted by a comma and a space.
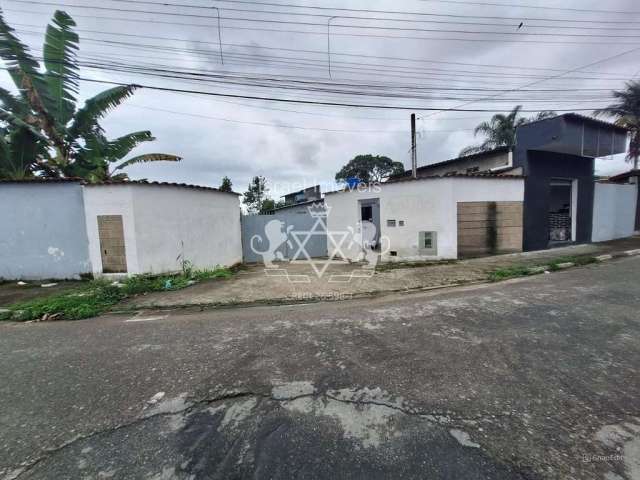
98, 296
525, 270
509, 272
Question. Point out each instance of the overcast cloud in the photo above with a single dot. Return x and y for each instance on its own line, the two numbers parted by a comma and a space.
208, 131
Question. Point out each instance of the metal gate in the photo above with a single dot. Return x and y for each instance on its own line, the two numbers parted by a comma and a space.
288, 233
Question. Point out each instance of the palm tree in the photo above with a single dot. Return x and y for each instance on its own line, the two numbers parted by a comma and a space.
627, 113
501, 130
43, 131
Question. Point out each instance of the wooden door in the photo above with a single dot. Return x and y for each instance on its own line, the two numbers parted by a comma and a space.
112, 251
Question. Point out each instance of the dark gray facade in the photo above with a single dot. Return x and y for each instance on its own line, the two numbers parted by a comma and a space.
556, 149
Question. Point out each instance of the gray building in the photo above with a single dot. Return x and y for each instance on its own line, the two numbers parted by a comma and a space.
302, 196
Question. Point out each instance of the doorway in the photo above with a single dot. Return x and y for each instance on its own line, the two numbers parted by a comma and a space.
112, 249
561, 211
370, 222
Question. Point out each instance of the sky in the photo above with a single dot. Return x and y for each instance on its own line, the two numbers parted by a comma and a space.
421, 56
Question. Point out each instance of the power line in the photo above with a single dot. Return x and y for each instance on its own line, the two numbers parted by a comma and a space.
276, 125
314, 102
538, 7
513, 24
297, 84
418, 13
347, 66
552, 77
321, 52
311, 24
342, 34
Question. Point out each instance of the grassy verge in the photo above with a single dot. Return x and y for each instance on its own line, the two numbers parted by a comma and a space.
98, 296
525, 270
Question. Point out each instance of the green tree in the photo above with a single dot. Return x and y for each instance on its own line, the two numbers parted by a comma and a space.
369, 168
500, 131
226, 185
626, 112
23, 148
70, 140
256, 194
268, 205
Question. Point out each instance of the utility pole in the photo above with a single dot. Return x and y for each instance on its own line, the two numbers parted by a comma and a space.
414, 156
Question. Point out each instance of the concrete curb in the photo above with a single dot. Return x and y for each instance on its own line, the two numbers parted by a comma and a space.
360, 295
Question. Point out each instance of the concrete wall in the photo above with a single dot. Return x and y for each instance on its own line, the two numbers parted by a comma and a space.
110, 200
423, 205
43, 232
203, 225
163, 222
614, 211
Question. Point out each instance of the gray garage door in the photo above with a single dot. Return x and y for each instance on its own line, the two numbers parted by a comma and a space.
296, 228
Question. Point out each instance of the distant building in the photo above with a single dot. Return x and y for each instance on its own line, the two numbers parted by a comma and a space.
302, 196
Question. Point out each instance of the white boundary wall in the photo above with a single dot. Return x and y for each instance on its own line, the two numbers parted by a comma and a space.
423, 205
162, 222
614, 211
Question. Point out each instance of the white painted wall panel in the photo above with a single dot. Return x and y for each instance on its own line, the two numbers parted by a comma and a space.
170, 221
614, 211
110, 200
162, 222
423, 205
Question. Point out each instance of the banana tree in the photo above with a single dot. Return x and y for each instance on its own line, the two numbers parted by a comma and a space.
23, 148
69, 140
101, 159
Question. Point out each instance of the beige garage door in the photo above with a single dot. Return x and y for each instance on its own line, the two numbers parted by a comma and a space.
111, 233
487, 228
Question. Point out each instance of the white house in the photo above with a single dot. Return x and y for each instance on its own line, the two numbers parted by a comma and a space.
431, 217
148, 227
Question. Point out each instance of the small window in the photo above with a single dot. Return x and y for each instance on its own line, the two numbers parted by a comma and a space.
393, 253
391, 223
427, 243
401, 223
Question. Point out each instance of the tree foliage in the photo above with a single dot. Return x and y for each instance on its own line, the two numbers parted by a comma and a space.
226, 185
626, 111
369, 168
256, 195
41, 130
500, 131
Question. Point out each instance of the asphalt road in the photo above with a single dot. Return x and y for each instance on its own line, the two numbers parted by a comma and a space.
534, 378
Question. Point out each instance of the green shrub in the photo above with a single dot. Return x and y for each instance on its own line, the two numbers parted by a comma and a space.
509, 272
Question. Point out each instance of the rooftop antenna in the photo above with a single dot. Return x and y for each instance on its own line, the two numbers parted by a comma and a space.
219, 35
329, 43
